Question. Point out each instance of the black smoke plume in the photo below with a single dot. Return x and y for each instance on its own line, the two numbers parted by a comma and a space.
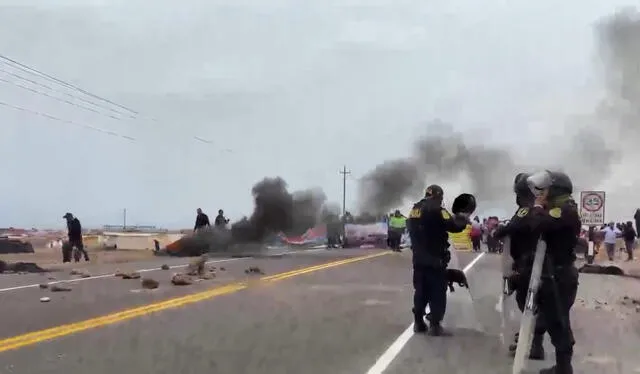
277, 210
442, 156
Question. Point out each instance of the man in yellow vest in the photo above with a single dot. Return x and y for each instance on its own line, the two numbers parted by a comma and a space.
397, 225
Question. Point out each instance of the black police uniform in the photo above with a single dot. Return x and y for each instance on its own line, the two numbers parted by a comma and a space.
559, 226
524, 240
428, 226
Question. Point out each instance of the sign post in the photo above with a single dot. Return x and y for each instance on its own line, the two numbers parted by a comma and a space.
592, 214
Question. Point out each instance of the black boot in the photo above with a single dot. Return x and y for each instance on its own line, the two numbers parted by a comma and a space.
513, 346
562, 366
537, 350
535, 353
419, 326
435, 329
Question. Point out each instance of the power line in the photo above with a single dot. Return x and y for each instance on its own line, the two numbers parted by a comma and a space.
62, 92
58, 99
54, 118
61, 82
17, 65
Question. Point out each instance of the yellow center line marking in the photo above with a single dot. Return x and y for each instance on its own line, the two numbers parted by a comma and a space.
35, 337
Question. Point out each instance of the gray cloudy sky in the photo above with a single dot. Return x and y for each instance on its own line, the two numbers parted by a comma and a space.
280, 87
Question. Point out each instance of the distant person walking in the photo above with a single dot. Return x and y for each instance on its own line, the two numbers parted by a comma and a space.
221, 221
611, 233
629, 235
74, 233
476, 234
202, 220
637, 218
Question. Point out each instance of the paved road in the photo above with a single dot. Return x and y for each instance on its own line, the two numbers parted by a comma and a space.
330, 312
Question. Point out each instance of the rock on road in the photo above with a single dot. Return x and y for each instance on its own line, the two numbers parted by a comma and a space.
346, 317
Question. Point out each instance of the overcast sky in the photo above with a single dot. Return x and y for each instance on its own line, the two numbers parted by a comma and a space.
287, 88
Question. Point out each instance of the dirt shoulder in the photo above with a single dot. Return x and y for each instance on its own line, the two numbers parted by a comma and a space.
52, 257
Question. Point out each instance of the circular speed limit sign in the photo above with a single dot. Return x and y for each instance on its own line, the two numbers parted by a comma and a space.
592, 202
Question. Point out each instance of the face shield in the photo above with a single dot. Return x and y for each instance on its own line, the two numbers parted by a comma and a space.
539, 183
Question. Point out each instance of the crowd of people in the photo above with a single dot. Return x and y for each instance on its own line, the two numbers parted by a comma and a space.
613, 236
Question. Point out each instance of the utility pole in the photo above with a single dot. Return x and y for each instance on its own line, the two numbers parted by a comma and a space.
124, 219
344, 173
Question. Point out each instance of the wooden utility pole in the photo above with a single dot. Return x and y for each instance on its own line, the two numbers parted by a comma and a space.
344, 173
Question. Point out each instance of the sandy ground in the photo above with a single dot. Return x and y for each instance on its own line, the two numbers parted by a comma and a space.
53, 256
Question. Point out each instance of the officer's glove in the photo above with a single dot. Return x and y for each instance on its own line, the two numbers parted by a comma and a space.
456, 276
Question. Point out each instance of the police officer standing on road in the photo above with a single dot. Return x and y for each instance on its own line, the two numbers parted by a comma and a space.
556, 219
524, 240
429, 224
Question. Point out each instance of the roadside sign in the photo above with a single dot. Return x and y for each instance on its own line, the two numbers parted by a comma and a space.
592, 207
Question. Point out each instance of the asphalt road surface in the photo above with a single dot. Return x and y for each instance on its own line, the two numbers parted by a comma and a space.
329, 312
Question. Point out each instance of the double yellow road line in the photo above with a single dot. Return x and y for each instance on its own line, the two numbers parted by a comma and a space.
72, 328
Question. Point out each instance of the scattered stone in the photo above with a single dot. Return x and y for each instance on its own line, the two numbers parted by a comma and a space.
131, 275
81, 273
638, 309
150, 284
45, 299
196, 266
44, 286
119, 273
51, 278
222, 268
179, 279
60, 287
164, 267
254, 270
207, 276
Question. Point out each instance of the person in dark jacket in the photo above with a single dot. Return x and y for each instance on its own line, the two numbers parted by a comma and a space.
636, 217
74, 233
202, 220
220, 221
556, 219
629, 235
429, 224
524, 240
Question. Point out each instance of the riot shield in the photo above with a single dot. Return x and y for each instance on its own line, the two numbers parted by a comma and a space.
471, 306
461, 309
528, 320
507, 305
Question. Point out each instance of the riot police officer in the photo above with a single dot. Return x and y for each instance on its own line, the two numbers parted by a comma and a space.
524, 241
556, 220
429, 224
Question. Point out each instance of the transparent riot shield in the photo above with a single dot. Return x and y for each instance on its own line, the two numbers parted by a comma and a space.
461, 309
474, 308
529, 315
507, 305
